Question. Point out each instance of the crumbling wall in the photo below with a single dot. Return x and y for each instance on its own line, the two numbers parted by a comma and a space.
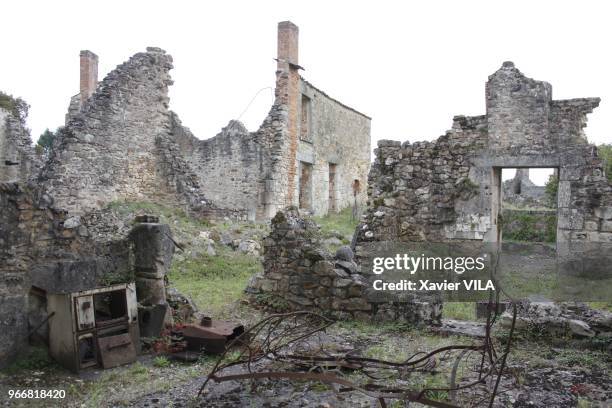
520, 191
299, 274
13, 278
231, 166
17, 158
451, 188
414, 189
43, 248
120, 145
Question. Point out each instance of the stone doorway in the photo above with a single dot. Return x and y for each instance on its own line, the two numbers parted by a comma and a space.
525, 204
305, 186
332, 188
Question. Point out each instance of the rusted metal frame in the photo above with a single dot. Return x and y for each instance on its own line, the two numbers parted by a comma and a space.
328, 378
487, 348
469, 385
505, 355
252, 332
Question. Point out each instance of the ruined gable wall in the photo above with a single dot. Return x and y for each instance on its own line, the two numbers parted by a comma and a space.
338, 135
518, 109
119, 146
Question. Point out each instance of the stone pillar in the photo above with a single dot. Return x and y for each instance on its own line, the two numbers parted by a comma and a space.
288, 92
153, 250
517, 182
88, 74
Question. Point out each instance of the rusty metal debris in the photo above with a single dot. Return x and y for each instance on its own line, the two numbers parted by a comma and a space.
280, 338
211, 336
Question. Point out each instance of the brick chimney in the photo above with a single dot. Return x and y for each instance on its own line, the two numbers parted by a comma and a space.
287, 44
288, 93
89, 74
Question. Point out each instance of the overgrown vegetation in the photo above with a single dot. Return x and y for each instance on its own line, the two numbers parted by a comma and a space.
35, 358
459, 310
604, 151
214, 282
529, 227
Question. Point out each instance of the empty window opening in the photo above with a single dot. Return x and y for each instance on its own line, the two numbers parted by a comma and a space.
356, 187
529, 205
305, 186
305, 121
332, 187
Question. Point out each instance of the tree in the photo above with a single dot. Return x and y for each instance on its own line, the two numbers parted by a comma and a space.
604, 151
46, 140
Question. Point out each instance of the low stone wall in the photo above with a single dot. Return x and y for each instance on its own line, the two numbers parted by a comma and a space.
299, 274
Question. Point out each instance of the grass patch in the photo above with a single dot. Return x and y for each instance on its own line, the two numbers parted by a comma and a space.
213, 282
35, 358
341, 222
161, 362
459, 310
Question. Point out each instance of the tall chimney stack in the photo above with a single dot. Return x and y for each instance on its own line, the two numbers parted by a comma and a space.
287, 44
89, 74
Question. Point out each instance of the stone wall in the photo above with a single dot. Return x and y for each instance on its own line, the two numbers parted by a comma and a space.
299, 274
17, 158
260, 172
451, 188
120, 145
43, 248
338, 136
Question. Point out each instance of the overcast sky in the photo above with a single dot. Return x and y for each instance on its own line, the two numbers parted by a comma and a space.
411, 67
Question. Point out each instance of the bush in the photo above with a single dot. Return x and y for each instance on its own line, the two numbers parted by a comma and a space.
527, 227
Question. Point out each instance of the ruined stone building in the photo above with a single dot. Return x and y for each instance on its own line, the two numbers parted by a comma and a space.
121, 142
311, 150
450, 189
449, 192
